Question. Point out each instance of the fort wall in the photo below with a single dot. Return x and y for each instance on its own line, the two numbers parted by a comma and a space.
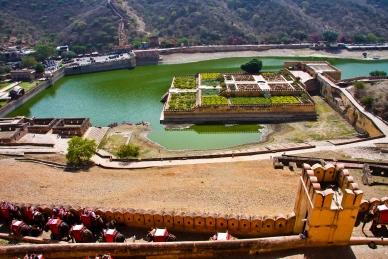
226, 48
14, 104
100, 67
341, 103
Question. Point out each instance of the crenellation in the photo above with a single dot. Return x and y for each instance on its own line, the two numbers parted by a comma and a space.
373, 202
128, 217
233, 222
291, 220
109, 214
138, 217
222, 222
359, 195
149, 218
318, 172
158, 218
318, 199
210, 221
268, 224
188, 220
280, 224
245, 223
348, 198
178, 220
256, 224
199, 220
119, 215
330, 173
328, 195
168, 218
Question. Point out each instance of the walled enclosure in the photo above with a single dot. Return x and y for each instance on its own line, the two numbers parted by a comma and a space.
242, 113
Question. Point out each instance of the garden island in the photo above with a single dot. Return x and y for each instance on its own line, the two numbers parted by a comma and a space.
236, 98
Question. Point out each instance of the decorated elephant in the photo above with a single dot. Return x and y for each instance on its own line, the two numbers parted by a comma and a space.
65, 215
10, 211
59, 229
81, 234
21, 228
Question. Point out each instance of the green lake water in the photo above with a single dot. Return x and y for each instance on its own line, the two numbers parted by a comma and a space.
134, 96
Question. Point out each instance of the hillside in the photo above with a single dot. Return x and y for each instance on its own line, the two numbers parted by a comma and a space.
93, 24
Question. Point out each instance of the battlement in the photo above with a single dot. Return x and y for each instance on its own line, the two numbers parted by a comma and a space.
331, 187
327, 203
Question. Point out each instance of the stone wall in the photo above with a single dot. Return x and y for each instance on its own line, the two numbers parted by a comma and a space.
100, 67
226, 48
247, 225
340, 102
241, 113
12, 105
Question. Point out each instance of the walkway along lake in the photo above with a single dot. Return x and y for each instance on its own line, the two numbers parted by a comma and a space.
133, 96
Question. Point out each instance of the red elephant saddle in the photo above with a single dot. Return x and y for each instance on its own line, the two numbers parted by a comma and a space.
54, 225
5, 212
110, 235
87, 218
383, 218
77, 231
16, 226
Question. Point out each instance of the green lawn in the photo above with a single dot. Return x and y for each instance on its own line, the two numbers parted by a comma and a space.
182, 101
3, 85
27, 85
185, 82
214, 100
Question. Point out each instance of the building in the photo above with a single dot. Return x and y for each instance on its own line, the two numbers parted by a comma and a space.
26, 75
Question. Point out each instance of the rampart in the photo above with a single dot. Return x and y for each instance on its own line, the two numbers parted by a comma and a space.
12, 105
247, 225
227, 48
341, 103
101, 66
327, 203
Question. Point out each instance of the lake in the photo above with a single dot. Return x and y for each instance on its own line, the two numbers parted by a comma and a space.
134, 96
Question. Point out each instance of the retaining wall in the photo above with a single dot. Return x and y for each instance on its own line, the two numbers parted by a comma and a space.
101, 66
12, 105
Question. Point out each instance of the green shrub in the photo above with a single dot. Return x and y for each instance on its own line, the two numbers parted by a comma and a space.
128, 150
185, 82
359, 85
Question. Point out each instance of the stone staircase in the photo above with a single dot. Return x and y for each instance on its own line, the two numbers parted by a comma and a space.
96, 133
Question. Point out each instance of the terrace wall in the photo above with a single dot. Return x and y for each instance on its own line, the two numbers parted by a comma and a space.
241, 113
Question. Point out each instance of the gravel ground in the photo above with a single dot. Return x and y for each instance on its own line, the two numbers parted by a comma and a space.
244, 187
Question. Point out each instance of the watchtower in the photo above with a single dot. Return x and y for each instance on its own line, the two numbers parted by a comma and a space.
327, 204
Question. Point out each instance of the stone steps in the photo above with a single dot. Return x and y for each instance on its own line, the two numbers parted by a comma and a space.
96, 133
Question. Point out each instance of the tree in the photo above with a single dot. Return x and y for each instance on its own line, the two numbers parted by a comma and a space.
68, 54
79, 49
39, 68
330, 36
42, 52
378, 73
28, 62
136, 42
80, 150
129, 150
253, 66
